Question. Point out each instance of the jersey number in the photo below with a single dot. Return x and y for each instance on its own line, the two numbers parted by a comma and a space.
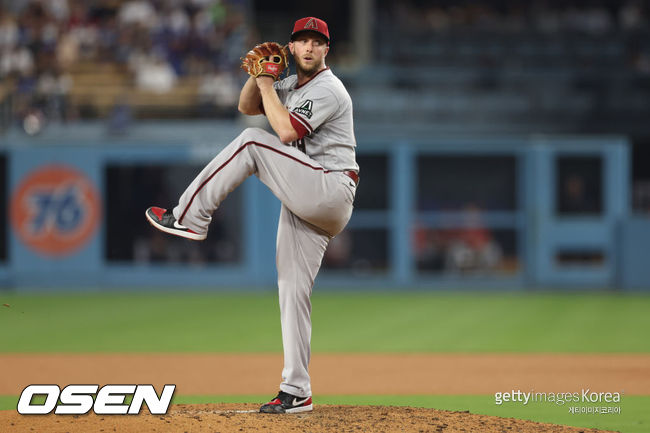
300, 144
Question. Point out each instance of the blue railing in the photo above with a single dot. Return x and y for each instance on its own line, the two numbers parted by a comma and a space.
539, 236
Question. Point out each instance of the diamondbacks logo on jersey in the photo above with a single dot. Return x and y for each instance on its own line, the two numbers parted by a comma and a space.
305, 109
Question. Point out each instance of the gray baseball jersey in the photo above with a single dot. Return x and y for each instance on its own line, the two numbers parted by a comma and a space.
321, 112
317, 195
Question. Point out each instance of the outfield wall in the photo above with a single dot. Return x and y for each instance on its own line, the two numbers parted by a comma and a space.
431, 212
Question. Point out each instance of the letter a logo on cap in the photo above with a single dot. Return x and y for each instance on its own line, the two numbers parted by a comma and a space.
312, 24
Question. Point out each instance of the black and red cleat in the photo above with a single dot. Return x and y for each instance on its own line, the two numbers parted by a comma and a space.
287, 403
164, 220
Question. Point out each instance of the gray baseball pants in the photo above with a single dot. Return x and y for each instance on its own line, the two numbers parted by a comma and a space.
316, 205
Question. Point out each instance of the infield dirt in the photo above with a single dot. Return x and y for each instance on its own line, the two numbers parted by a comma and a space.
405, 374
228, 418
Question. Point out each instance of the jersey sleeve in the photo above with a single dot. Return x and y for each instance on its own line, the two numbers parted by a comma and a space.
282, 89
312, 110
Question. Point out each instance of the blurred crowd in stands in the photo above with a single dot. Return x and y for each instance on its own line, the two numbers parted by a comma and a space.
160, 42
596, 19
156, 41
516, 16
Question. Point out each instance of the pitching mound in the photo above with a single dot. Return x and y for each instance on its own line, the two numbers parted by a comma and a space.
245, 418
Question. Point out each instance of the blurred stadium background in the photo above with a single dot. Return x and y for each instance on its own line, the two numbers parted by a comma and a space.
502, 144
504, 148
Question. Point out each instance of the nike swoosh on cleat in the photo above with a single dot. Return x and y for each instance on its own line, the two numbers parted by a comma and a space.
297, 402
178, 226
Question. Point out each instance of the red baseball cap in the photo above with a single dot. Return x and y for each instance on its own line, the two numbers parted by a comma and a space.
311, 24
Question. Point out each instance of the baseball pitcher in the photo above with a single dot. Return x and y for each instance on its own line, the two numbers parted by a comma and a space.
309, 165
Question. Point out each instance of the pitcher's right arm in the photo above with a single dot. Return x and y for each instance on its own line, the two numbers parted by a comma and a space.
250, 98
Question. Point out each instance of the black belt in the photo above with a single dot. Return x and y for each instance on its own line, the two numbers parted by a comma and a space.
352, 175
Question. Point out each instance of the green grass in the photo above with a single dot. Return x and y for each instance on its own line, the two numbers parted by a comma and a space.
8, 402
634, 416
342, 322
346, 322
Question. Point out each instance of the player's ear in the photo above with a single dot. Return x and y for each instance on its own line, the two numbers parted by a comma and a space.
291, 47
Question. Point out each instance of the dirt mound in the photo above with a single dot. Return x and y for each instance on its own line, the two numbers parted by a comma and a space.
245, 418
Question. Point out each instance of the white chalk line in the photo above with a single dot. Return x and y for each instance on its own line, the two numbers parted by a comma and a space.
218, 412
225, 411
238, 411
